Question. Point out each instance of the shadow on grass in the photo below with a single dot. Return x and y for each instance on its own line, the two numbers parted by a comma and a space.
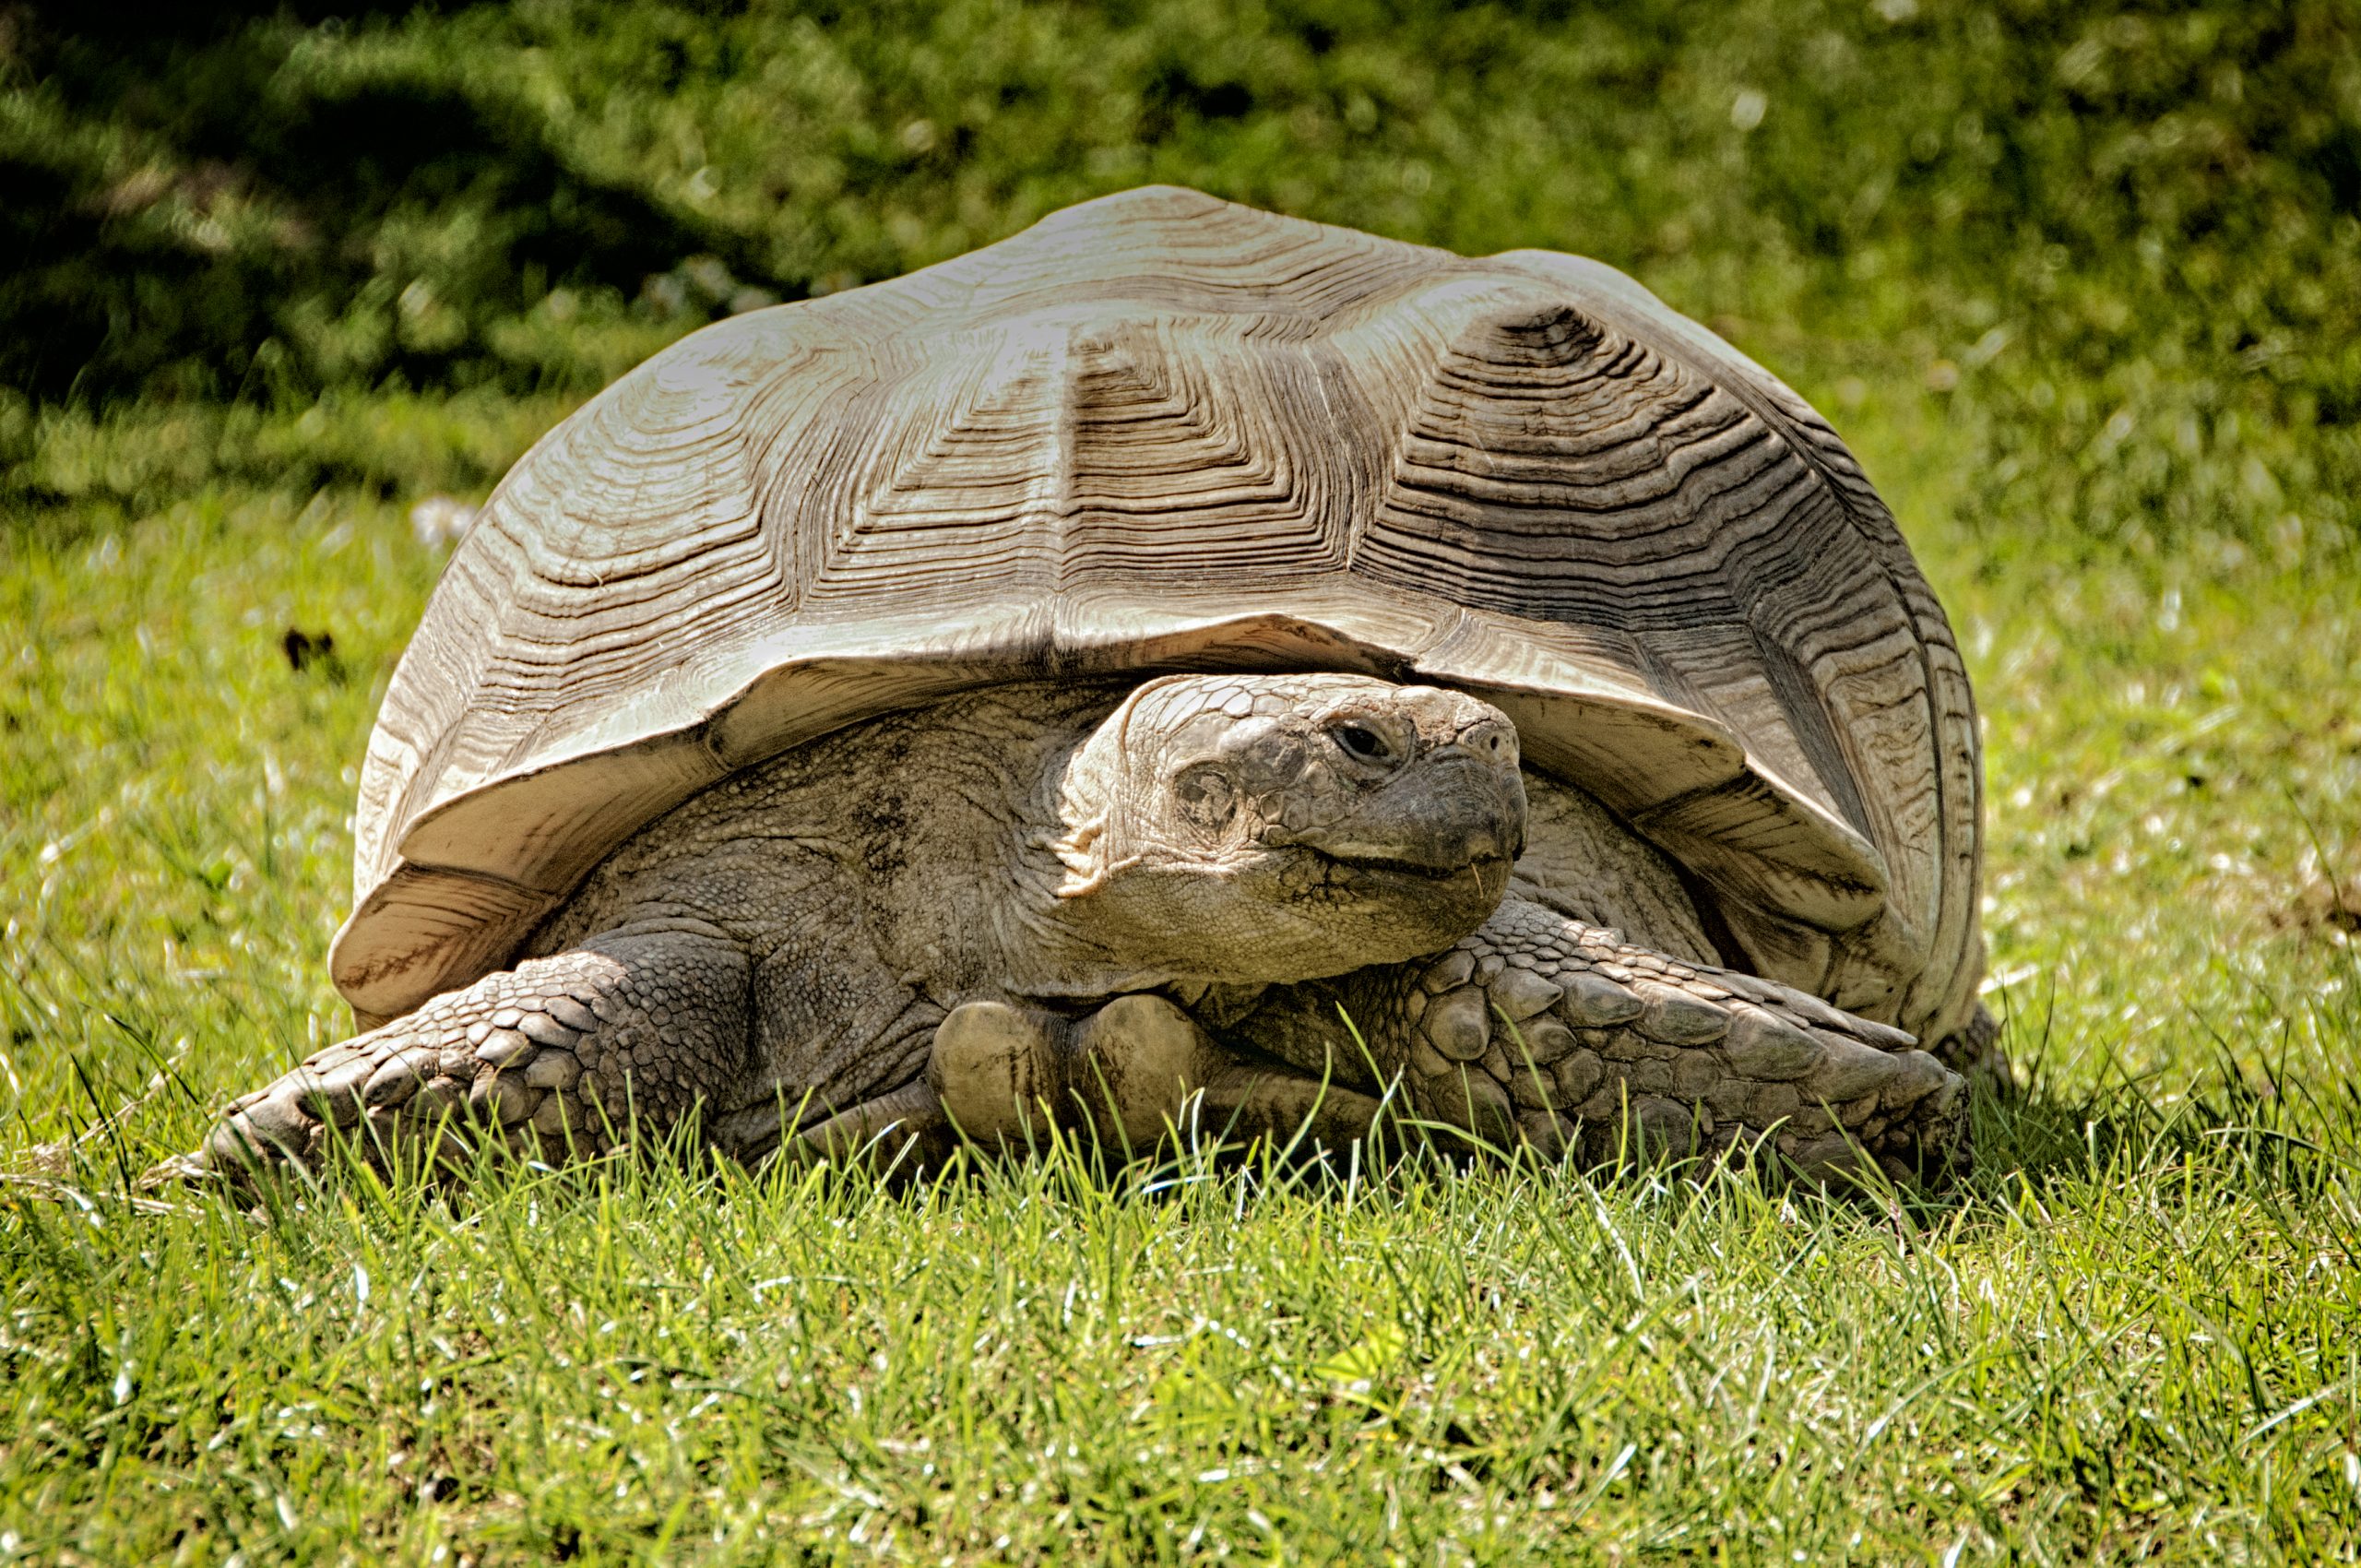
254, 253
2265, 1136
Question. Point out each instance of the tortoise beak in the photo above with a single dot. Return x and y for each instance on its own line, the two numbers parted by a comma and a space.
1460, 807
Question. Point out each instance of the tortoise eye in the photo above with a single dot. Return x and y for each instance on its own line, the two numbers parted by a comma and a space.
1363, 743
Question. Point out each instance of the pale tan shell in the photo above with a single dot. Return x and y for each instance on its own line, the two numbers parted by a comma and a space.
1154, 432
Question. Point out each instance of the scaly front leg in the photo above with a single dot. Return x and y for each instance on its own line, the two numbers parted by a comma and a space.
554, 1058
1542, 1030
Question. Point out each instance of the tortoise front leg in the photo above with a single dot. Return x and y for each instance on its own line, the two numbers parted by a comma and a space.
1541, 1029
554, 1058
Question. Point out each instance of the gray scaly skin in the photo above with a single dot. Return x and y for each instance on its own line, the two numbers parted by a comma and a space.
552, 1057
1542, 1029
1119, 909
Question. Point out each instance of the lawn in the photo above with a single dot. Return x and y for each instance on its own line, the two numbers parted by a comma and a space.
2079, 287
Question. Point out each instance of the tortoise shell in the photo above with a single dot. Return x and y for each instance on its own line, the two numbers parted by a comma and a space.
1160, 432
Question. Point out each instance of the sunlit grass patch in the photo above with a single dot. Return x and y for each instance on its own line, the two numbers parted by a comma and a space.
2131, 1329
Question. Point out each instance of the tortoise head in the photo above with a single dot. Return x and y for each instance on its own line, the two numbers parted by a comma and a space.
1284, 827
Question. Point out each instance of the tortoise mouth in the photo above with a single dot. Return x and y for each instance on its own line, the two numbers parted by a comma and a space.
1484, 866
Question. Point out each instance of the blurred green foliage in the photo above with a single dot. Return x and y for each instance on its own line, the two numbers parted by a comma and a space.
2118, 242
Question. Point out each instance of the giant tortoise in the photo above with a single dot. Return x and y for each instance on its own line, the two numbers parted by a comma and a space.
1176, 668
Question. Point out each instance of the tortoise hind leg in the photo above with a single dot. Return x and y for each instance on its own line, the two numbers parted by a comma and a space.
554, 1058
1144, 1069
1974, 1051
1130, 1076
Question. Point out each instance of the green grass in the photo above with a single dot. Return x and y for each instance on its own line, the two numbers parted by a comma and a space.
2138, 1328
2078, 286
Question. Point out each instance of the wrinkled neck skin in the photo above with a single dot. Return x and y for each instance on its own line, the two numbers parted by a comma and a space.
1239, 831
1054, 953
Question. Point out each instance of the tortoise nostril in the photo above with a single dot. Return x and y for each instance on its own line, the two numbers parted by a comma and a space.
1487, 740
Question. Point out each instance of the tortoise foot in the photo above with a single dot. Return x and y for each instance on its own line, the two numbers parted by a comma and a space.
551, 1059
1544, 1031
1134, 1076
